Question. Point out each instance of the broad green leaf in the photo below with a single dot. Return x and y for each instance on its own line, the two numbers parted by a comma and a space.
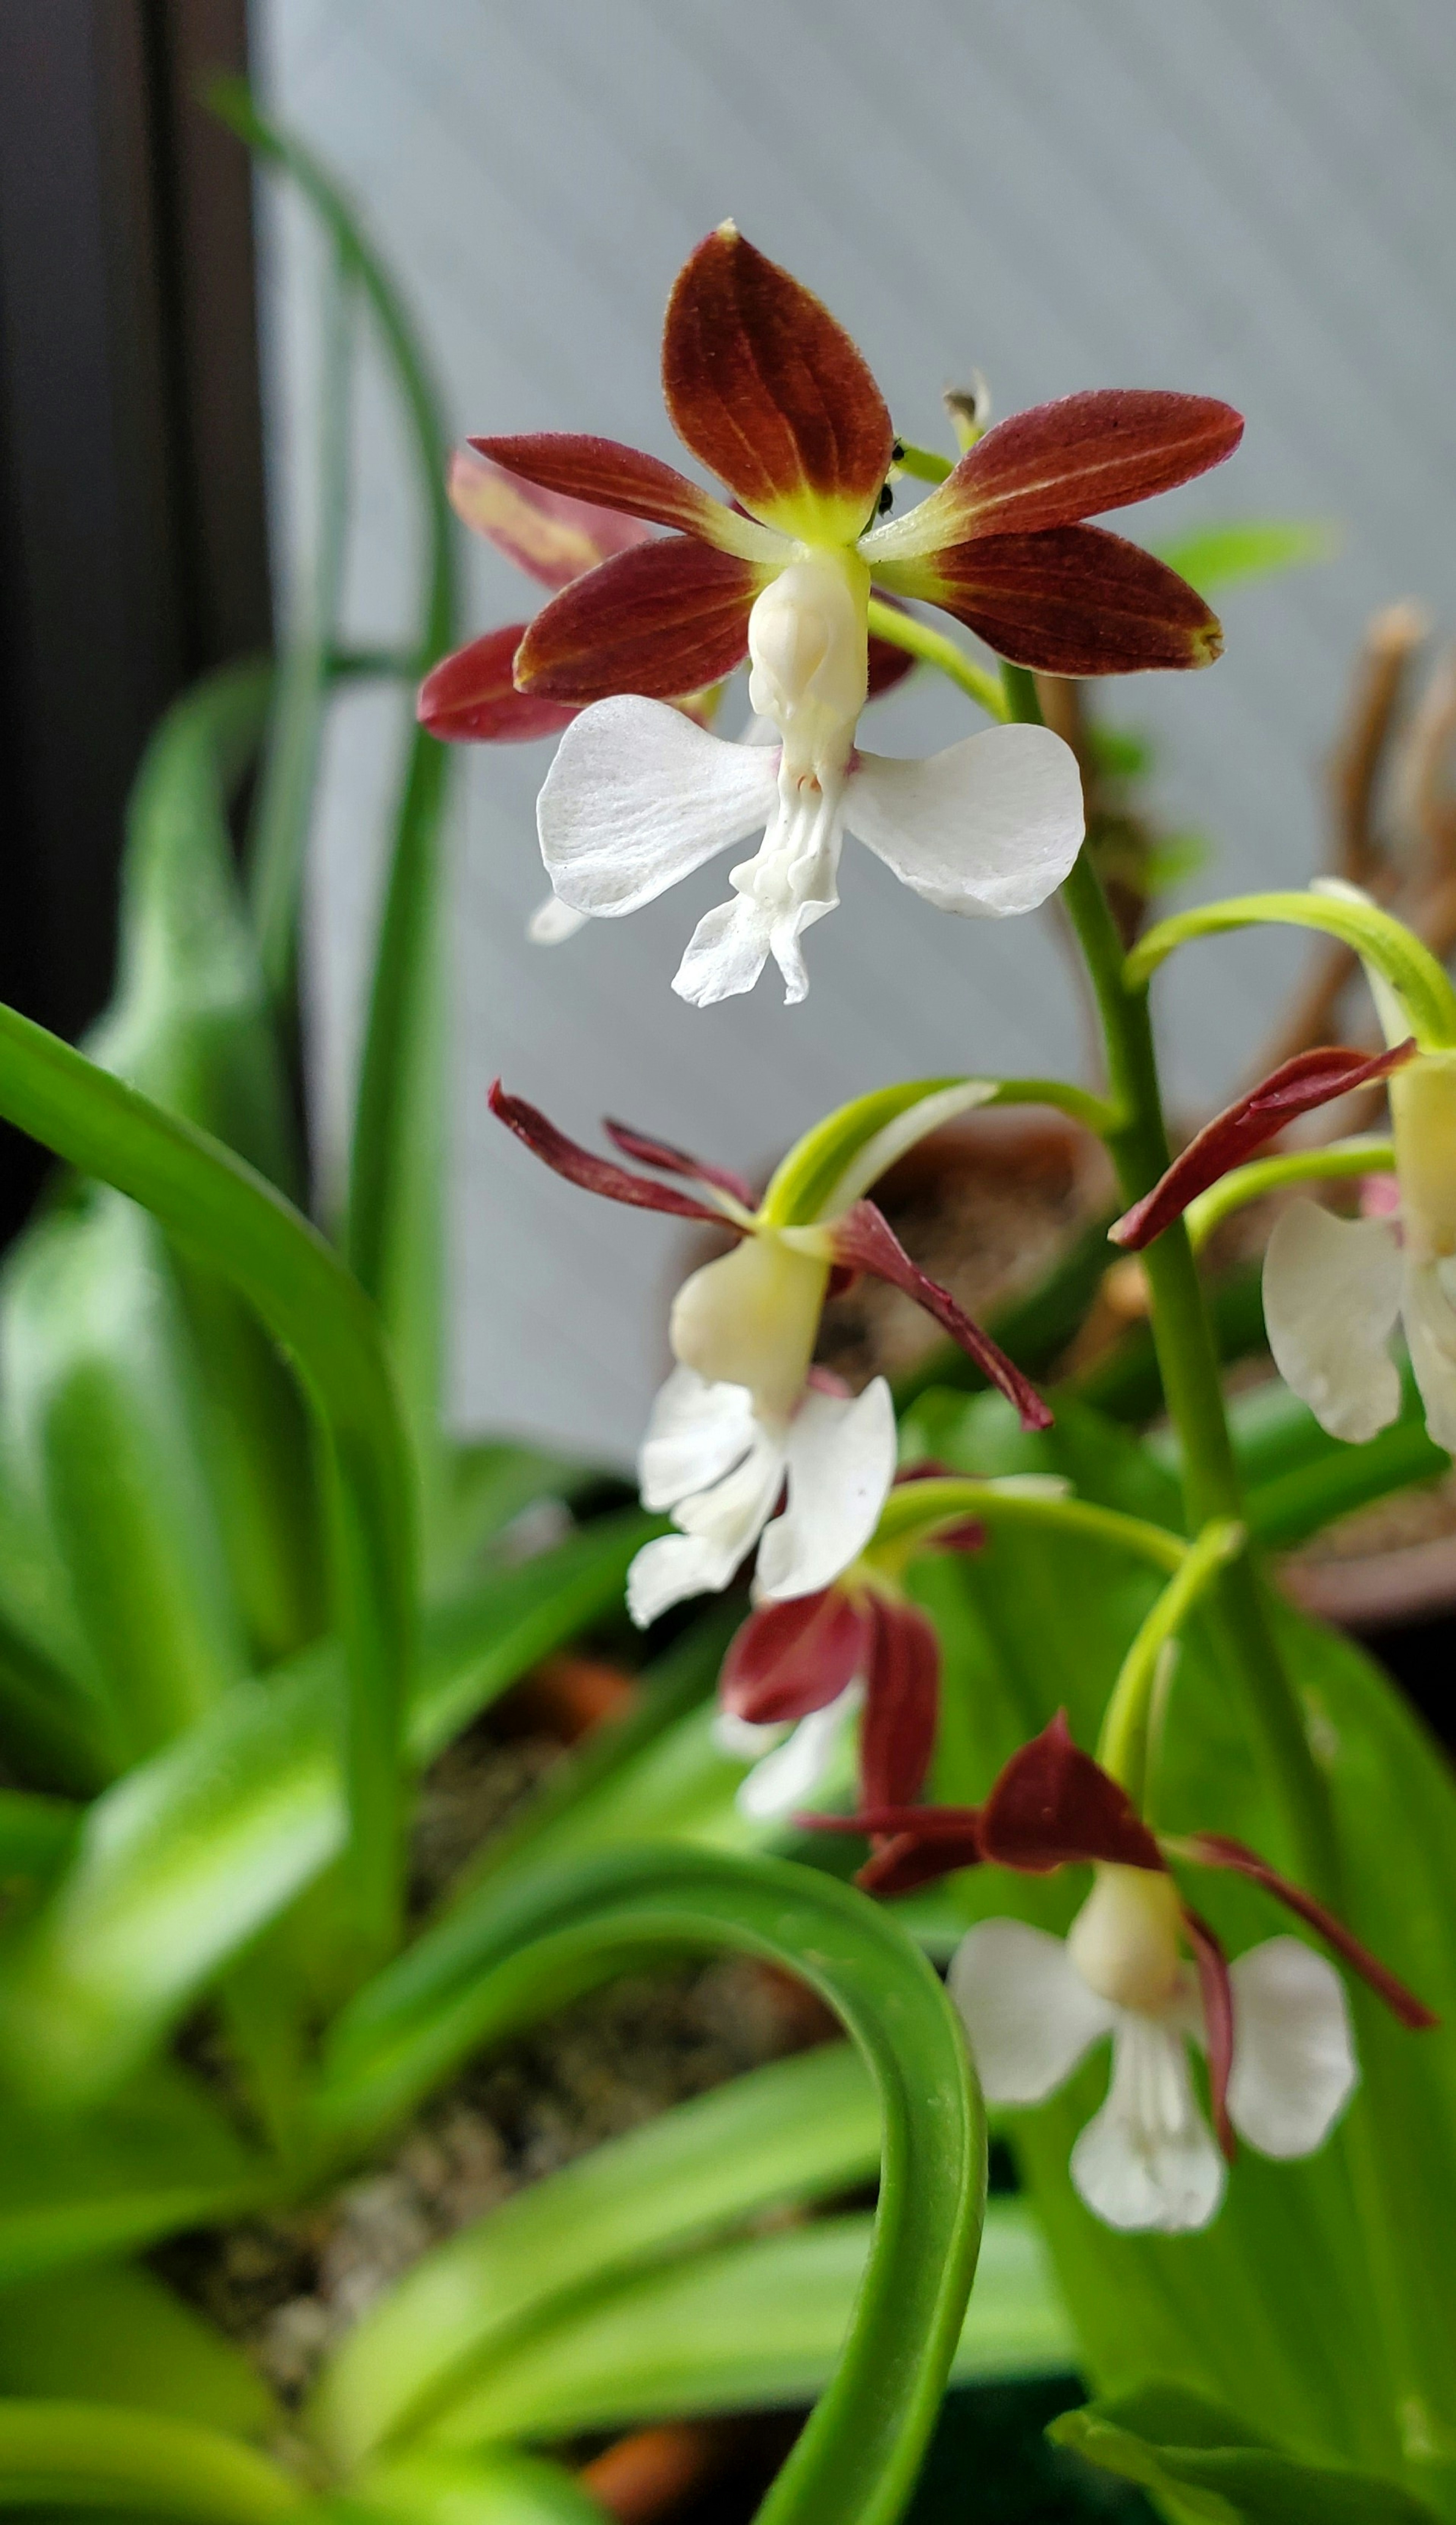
216, 1206
487, 1486
114, 2334
1211, 558
798, 2130
92, 2454
500, 2488
184, 1861
103, 1406
749, 2327
37, 1835
1186, 2449
156, 2157
473, 1979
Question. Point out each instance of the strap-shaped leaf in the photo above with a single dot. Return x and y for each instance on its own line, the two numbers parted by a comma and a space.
91, 2454
491, 1969
1186, 2450
224, 1212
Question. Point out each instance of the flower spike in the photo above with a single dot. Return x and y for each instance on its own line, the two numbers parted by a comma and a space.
1298, 1086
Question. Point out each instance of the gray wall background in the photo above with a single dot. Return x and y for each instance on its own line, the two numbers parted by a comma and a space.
1252, 197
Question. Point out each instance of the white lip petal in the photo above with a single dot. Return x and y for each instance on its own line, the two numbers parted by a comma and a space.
554, 921
841, 1464
1332, 1294
726, 955
667, 1571
1028, 2011
1293, 2053
789, 1777
638, 796
1430, 1332
696, 1434
991, 827
1147, 2160
730, 1516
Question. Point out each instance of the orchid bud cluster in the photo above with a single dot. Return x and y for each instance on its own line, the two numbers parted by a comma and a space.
659, 593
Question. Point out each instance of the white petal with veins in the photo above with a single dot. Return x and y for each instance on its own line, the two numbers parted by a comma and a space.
696, 1434
1293, 2055
788, 1776
638, 796
841, 1464
1430, 1331
990, 826
1028, 2011
1148, 2160
1332, 1294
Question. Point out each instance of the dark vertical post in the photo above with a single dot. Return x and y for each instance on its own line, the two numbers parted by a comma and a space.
132, 544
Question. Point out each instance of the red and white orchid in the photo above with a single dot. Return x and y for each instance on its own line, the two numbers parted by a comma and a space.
743, 1413
767, 391
1275, 2025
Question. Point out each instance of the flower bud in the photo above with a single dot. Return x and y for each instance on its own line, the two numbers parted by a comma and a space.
751, 1319
1124, 1939
1422, 1111
808, 656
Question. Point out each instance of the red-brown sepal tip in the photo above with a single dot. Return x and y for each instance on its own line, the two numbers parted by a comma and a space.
1070, 601
1076, 458
1217, 1849
787, 1660
1296, 1087
662, 621
1052, 1805
771, 394
865, 1241
470, 697
901, 1704
676, 1162
581, 1166
605, 474
550, 533
1216, 1993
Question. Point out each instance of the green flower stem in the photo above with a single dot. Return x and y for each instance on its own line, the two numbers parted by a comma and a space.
1122, 1747
1078, 1103
1364, 1156
915, 1511
937, 649
923, 463
1410, 969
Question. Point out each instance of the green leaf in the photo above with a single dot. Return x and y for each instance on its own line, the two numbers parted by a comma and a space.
798, 2130
1211, 558
90, 2454
184, 1860
215, 1204
1186, 2449
114, 2334
37, 1835
753, 2326
477, 1976
497, 2489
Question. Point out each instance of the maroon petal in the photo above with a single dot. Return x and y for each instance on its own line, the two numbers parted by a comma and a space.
662, 621
1086, 453
676, 1162
1296, 1087
581, 1167
547, 532
771, 394
865, 1241
1052, 1805
470, 697
915, 1845
898, 1734
1072, 601
605, 474
1216, 1993
787, 1660
1216, 1849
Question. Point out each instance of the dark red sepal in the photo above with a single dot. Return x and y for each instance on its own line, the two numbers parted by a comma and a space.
915, 1845
1072, 601
1217, 1994
1058, 462
1296, 1087
1053, 1805
901, 1704
786, 1660
865, 1241
1217, 1849
676, 1162
605, 475
470, 697
662, 619
581, 1167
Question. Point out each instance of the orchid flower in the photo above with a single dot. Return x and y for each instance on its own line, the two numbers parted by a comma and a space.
767, 391
1335, 1288
1275, 2024
742, 1411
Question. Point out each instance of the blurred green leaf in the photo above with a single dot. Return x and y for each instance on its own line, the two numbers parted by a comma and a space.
37, 1835
496, 2488
1211, 558
475, 1978
92, 2454
1184, 2447
750, 2327
114, 2334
